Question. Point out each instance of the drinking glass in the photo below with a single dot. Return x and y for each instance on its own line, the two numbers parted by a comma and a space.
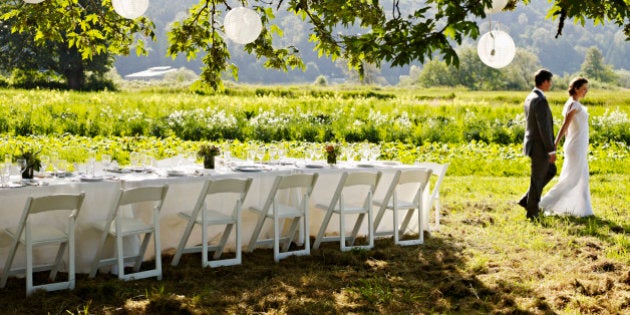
54, 161
364, 152
134, 159
260, 153
22, 164
375, 152
5, 174
106, 159
44, 161
91, 164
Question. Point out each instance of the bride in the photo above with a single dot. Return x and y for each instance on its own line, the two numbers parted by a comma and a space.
571, 195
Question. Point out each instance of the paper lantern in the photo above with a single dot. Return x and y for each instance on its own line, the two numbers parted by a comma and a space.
33, 1
242, 25
497, 6
496, 49
130, 9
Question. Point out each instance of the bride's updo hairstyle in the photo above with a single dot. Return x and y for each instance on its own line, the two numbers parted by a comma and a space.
576, 84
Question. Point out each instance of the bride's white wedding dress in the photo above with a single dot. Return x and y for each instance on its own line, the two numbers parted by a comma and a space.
571, 195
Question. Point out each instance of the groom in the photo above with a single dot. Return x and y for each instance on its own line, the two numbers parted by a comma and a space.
538, 143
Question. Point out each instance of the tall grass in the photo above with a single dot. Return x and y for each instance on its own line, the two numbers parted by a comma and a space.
313, 115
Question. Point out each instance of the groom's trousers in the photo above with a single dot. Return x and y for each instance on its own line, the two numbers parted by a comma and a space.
542, 171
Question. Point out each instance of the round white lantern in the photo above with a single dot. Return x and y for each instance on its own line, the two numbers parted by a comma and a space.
497, 6
496, 49
130, 9
33, 1
242, 25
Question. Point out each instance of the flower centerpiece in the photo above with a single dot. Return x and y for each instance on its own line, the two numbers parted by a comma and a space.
30, 162
332, 151
207, 152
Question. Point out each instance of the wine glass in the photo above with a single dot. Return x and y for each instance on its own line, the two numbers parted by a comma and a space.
106, 159
44, 162
5, 175
260, 153
22, 164
54, 161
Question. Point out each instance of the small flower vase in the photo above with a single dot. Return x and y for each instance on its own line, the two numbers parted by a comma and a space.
208, 162
331, 159
28, 173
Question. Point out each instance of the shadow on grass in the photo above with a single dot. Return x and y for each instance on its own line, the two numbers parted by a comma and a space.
595, 226
429, 278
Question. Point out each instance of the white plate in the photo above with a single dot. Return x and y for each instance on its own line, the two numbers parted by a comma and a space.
390, 163
249, 168
175, 173
118, 170
91, 179
364, 165
314, 165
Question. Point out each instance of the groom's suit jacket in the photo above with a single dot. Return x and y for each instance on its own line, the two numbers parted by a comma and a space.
539, 136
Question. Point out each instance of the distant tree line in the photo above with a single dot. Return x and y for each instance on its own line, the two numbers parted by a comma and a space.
475, 75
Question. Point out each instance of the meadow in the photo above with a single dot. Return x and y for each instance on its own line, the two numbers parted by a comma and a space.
486, 258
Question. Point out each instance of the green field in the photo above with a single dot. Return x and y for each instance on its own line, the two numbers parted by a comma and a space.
486, 258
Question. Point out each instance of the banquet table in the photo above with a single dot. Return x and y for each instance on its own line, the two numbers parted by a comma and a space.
184, 188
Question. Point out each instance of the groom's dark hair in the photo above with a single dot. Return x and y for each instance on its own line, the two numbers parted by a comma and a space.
541, 76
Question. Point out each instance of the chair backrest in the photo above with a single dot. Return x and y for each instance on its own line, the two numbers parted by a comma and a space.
369, 179
362, 178
304, 181
35, 205
222, 186
55, 202
439, 170
143, 194
230, 185
403, 177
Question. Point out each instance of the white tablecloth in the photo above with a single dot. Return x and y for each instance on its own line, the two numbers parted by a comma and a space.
182, 195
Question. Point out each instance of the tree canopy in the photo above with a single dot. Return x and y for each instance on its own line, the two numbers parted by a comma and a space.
397, 31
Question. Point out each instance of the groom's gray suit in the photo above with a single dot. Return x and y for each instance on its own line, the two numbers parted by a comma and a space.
538, 144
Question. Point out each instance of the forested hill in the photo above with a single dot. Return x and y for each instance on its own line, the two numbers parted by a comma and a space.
527, 26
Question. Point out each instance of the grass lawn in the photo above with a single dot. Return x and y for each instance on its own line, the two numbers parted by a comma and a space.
486, 258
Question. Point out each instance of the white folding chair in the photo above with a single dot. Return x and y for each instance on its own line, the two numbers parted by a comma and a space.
338, 205
30, 232
234, 190
416, 178
279, 211
439, 171
119, 227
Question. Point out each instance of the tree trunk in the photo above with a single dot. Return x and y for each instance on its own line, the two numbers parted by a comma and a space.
75, 78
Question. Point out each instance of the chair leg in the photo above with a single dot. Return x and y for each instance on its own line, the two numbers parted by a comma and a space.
29, 265
55, 268
158, 252
239, 235
224, 238
253, 242
276, 239
183, 241
143, 249
357, 226
379, 215
370, 226
120, 257
8, 263
407, 219
342, 230
204, 241
322, 229
395, 215
99, 253
291, 235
